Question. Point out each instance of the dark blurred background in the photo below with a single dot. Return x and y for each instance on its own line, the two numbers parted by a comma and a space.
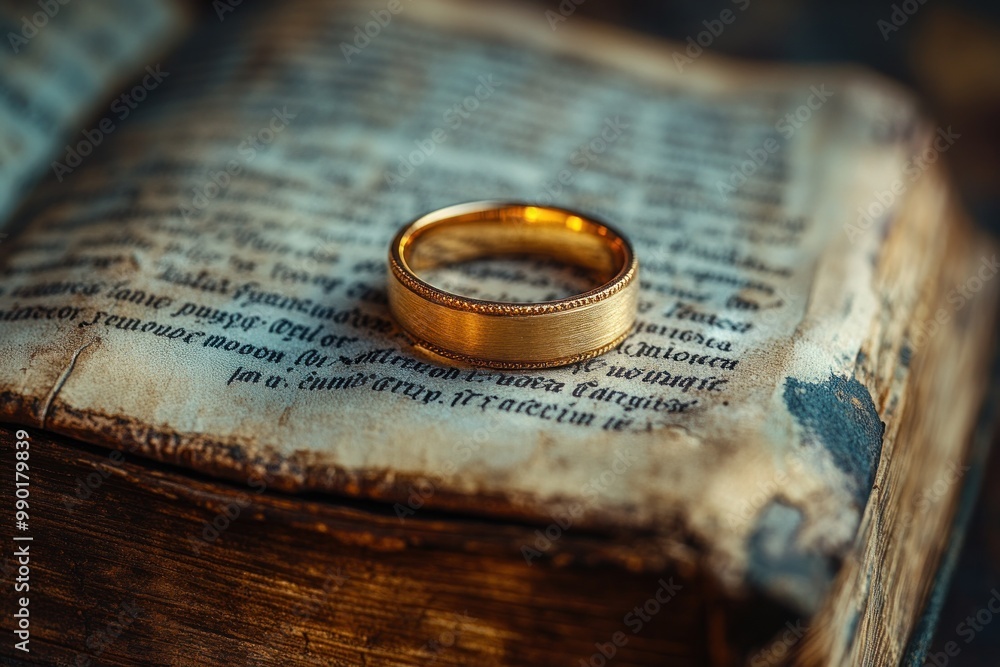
946, 51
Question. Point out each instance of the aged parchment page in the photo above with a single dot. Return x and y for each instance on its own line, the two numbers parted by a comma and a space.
60, 61
210, 289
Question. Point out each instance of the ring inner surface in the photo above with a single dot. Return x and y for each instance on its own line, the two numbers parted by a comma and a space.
515, 231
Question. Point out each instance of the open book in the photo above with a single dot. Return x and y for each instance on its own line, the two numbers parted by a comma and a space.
204, 287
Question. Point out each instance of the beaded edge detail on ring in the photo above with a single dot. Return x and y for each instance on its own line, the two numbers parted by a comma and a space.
517, 365
457, 302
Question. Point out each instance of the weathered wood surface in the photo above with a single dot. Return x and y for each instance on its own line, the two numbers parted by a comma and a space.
313, 581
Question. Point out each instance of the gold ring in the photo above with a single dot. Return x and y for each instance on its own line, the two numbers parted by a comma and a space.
509, 335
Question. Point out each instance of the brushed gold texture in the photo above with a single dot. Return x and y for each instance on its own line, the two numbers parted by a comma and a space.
508, 335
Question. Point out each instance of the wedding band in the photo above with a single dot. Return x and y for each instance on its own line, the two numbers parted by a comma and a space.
508, 335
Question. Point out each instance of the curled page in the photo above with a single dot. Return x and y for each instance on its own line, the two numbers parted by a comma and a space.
58, 62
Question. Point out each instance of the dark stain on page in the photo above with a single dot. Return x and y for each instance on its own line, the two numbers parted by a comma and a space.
839, 415
781, 568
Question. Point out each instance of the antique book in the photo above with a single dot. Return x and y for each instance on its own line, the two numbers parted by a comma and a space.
224, 451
